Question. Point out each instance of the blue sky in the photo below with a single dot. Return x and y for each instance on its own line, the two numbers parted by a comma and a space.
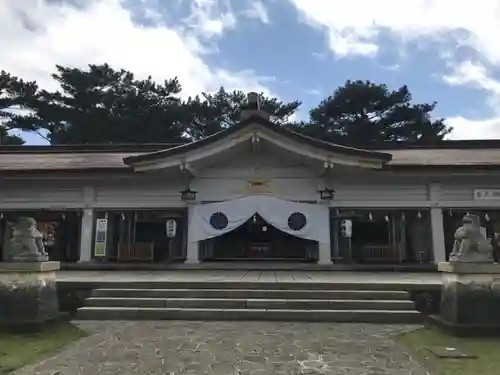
293, 49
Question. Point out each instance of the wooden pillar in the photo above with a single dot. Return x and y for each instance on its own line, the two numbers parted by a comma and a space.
86, 237
438, 243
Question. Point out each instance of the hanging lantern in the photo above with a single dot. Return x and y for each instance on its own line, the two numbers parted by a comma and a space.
326, 194
487, 217
188, 195
386, 218
255, 218
106, 215
419, 214
1, 215
370, 216
63, 216
123, 216
403, 217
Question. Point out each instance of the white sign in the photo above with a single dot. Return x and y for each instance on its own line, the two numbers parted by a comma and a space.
346, 228
101, 232
487, 194
102, 224
171, 228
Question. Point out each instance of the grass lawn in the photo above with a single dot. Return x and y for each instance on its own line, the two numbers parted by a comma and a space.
17, 350
487, 351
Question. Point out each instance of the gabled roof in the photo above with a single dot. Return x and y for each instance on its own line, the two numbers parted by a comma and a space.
30, 160
383, 157
442, 155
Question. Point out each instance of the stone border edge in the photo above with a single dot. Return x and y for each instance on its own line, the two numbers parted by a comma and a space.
469, 268
7, 267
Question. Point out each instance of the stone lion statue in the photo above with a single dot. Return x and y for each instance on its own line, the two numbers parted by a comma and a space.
470, 244
26, 243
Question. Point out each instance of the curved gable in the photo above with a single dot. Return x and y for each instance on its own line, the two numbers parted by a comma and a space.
257, 125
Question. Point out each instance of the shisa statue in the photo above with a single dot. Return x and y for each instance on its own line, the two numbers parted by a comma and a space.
470, 244
26, 244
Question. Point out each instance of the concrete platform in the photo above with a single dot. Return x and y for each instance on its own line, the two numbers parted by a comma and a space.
248, 265
307, 279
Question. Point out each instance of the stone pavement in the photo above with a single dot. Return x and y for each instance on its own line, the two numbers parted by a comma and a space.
231, 348
416, 278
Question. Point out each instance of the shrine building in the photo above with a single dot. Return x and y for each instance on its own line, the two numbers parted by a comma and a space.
254, 192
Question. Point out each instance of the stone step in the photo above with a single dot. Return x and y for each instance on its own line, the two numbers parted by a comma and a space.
297, 304
260, 285
155, 313
253, 294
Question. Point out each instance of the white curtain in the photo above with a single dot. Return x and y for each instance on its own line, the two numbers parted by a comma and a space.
274, 211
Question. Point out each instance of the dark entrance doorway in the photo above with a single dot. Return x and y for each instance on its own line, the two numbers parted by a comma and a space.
258, 240
382, 236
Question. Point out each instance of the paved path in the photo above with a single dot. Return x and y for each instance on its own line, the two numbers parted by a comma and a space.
253, 276
231, 348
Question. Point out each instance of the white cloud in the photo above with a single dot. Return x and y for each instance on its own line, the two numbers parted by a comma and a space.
313, 92
103, 31
475, 75
37, 35
209, 18
257, 10
391, 67
464, 128
354, 27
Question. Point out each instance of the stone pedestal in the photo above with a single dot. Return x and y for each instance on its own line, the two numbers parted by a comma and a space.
470, 298
28, 294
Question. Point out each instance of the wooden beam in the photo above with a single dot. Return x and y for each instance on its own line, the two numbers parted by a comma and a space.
256, 143
326, 169
188, 169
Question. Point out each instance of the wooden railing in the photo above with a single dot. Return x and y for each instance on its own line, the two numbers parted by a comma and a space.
259, 249
381, 253
136, 251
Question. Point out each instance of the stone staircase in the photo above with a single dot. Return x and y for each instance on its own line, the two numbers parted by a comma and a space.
264, 301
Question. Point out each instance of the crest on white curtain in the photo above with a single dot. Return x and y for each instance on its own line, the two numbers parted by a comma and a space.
309, 221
